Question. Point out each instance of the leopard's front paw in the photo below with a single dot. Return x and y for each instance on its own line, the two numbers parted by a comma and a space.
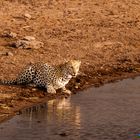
66, 91
51, 90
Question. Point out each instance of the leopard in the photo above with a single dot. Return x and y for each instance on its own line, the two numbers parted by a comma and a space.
50, 77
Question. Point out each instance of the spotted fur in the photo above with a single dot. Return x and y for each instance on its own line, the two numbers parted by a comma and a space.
45, 75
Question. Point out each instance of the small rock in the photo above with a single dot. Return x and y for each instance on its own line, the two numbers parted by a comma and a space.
29, 38
33, 98
20, 44
28, 42
12, 34
76, 87
9, 54
28, 28
27, 16
34, 45
4, 106
63, 134
34, 89
19, 113
9, 34
2, 53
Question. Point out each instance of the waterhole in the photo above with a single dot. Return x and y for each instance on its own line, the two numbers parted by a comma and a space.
110, 112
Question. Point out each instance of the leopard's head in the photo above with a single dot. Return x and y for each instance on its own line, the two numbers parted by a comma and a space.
74, 66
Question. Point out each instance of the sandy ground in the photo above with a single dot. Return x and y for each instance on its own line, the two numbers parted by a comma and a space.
104, 35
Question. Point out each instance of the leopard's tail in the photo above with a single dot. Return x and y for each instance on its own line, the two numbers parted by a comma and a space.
8, 82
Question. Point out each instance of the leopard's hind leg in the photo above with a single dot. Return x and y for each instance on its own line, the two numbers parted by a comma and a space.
50, 89
26, 76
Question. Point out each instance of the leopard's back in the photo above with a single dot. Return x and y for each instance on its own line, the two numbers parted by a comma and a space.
44, 74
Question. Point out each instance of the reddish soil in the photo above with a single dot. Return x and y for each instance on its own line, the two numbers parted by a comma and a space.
104, 35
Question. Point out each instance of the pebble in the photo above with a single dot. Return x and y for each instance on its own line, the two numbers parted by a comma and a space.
27, 16
9, 34
9, 54
28, 42
34, 89
76, 87
28, 28
20, 44
2, 53
63, 134
12, 34
29, 38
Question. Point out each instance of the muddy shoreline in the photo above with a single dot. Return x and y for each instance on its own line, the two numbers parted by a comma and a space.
26, 102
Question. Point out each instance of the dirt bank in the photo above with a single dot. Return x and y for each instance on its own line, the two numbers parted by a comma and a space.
104, 35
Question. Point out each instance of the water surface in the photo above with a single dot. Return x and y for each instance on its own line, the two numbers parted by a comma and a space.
111, 112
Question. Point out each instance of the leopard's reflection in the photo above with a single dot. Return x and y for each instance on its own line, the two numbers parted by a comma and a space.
59, 110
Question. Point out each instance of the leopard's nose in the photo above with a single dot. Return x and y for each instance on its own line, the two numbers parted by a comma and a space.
74, 75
